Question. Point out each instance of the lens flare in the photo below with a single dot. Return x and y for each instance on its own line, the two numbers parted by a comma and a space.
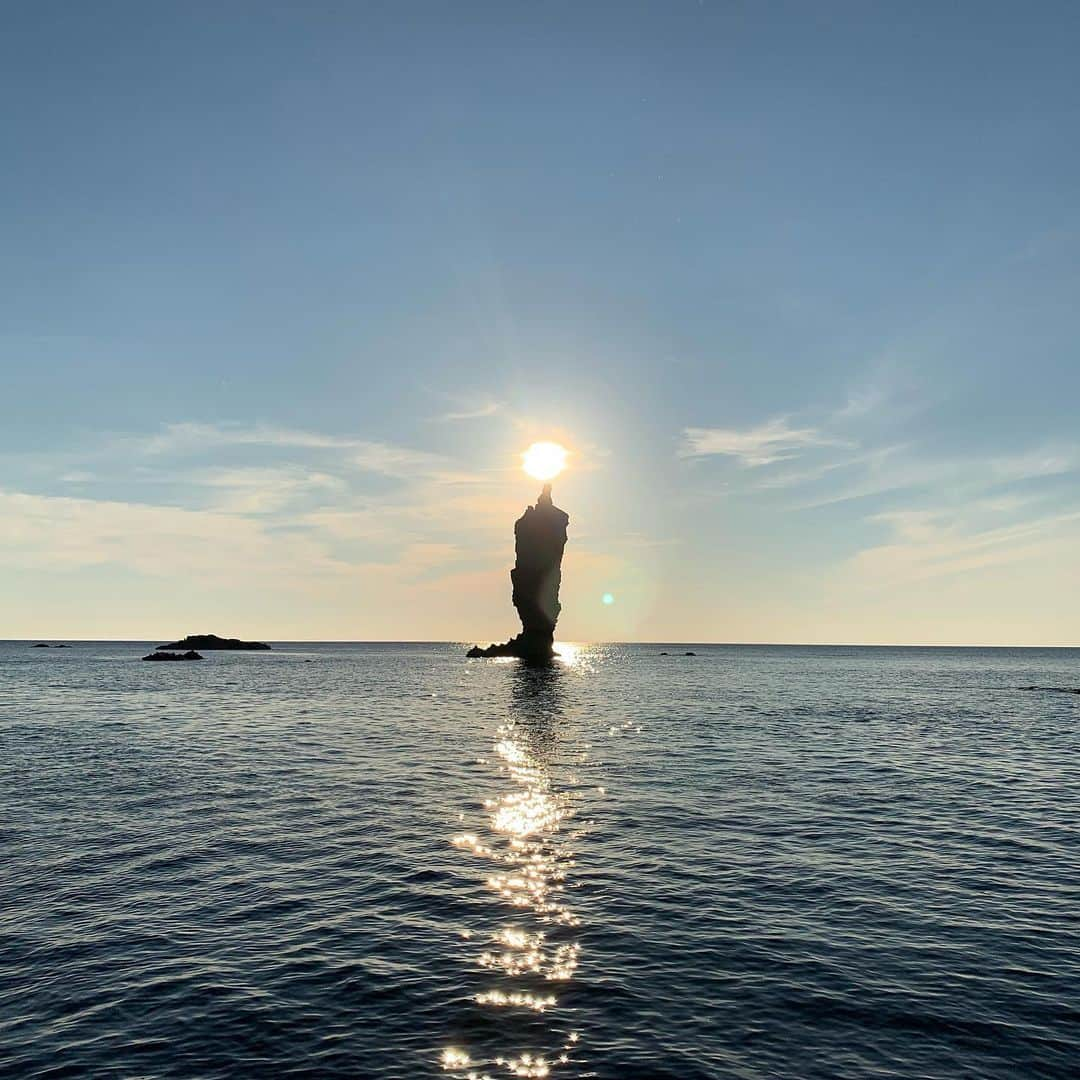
544, 460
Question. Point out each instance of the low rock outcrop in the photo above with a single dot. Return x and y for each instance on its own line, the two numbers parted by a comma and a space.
212, 641
191, 654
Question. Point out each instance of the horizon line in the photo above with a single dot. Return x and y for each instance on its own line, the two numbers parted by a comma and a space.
465, 642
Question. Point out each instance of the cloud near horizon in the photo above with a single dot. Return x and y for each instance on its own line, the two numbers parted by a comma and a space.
195, 503
202, 523
913, 514
376, 532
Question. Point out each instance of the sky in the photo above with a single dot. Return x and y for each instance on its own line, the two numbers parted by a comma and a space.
286, 289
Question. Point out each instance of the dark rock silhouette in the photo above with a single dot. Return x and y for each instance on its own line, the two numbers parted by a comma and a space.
39, 646
61, 646
191, 654
212, 641
690, 654
539, 540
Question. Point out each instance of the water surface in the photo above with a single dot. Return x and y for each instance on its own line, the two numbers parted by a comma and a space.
387, 861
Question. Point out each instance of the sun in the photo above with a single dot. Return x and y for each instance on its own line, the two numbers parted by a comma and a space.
544, 460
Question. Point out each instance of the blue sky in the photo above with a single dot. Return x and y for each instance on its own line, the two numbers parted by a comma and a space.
288, 287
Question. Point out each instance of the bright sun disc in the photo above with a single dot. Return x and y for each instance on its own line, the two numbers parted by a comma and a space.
544, 460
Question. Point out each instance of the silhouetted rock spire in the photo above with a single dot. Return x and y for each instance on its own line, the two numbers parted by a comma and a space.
539, 540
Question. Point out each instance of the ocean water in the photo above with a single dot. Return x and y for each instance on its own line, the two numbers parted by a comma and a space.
387, 861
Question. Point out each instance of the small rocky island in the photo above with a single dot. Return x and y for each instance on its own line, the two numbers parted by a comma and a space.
539, 540
191, 654
212, 641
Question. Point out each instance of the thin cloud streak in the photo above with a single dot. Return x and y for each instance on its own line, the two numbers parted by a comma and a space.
929, 545
366, 454
770, 442
887, 472
480, 412
309, 517
929, 516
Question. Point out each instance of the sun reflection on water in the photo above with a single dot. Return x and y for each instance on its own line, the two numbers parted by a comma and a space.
528, 838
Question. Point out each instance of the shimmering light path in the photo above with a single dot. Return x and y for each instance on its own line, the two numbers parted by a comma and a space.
386, 862
528, 838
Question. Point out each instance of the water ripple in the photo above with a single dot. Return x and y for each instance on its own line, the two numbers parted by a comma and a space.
759, 863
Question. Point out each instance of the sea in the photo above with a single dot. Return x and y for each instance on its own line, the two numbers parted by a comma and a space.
389, 861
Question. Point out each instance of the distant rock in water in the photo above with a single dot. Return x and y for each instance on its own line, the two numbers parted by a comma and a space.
539, 540
191, 654
40, 645
689, 654
1053, 689
61, 646
212, 641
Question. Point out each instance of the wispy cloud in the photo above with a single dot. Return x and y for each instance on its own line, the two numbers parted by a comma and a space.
260, 490
903, 468
371, 455
775, 440
928, 544
191, 437
398, 461
887, 388
862, 401
476, 412
900, 510
1054, 460
67, 533
197, 495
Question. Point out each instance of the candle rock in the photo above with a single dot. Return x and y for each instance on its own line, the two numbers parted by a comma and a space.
539, 540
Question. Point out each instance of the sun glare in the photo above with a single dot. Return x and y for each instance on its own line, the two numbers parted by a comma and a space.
544, 460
